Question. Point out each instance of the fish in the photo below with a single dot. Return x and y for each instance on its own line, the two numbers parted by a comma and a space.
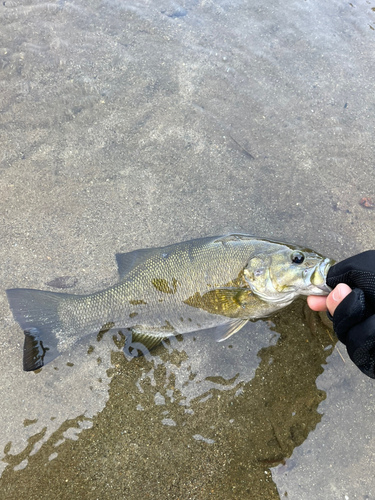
218, 282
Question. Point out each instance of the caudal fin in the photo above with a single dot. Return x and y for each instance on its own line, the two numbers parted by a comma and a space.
36, 312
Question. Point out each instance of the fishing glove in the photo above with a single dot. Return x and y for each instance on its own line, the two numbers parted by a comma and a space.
354, 317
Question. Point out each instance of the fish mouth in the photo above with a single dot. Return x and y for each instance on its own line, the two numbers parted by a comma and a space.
319, 275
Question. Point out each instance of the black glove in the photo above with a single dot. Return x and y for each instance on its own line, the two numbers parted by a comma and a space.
354, 317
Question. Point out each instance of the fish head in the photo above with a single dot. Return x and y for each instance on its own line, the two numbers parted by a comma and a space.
283, 272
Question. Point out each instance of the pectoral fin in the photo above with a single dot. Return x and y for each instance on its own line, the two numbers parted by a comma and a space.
225, 331
225, 301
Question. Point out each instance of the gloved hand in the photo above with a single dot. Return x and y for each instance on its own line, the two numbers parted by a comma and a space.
354, 317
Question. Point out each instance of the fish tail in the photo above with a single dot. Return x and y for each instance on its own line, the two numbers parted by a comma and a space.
36, 311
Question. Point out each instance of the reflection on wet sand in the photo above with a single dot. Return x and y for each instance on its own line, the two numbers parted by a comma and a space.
161, 435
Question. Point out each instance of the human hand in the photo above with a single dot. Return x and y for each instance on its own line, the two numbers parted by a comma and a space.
352, 307
319, 303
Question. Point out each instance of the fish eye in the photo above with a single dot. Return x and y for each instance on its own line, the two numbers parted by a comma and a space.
297, 257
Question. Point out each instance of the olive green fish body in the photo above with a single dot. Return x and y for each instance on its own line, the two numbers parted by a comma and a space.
210, 282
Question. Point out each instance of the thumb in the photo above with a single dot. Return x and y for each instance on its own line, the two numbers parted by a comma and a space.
336, 296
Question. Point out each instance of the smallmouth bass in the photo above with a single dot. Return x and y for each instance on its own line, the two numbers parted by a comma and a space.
219, 282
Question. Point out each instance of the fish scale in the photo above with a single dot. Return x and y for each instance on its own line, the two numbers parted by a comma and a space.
210, 282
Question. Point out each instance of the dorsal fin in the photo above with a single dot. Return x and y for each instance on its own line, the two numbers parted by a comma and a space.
126, 262
233, 237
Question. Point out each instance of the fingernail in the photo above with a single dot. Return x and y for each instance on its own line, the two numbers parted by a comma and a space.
336, 295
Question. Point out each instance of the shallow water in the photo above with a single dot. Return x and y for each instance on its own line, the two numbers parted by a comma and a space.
133, 124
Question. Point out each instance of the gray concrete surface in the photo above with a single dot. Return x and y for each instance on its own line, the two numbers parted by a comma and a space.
133, 124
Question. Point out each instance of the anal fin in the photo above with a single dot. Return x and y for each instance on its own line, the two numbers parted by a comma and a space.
139, 343
149, 341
